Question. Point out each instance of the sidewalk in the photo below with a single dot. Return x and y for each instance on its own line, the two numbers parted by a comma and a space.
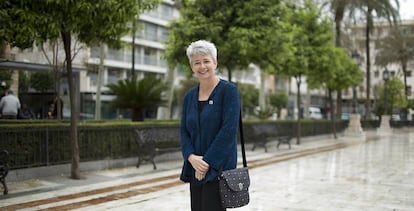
100, 188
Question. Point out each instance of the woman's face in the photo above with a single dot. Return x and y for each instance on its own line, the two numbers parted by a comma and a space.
203, 66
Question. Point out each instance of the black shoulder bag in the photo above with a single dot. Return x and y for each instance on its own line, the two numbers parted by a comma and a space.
234, 183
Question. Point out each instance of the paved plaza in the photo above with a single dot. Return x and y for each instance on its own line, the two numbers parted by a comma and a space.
375, 172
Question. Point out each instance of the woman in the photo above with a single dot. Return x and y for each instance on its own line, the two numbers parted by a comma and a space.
208, 130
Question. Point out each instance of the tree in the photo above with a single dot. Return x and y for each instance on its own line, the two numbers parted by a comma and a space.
27, 22
371, 9
397, 47
201, 19
249, 98
24, 81
231, 27
395, 97
138, 95
278, 100
339, 9
310, 34
42, 81
264, 38
374, 9
337, 71
244, 32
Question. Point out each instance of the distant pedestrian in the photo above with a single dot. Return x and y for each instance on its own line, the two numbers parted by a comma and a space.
57, 111
26, 112
9, 106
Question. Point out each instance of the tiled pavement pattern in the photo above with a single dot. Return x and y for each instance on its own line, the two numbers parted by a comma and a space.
350, 173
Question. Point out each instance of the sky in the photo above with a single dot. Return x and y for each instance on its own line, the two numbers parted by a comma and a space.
407, 9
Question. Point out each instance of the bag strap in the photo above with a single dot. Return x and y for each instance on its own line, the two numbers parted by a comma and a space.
242, 140
240, 127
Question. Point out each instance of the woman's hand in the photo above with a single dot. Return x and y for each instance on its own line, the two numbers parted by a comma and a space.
201, 167
199, 176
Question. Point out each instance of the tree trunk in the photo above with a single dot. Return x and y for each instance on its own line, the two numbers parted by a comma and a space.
262, 91
339, 104
58, 74
404, 68
229, 73
298, 128
368, 73
15, 73
101, 68
75, 172
333, 114
170, 93
137, 115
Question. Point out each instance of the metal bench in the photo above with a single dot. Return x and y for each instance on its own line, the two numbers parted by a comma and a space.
266, 134
4, 169
147, 149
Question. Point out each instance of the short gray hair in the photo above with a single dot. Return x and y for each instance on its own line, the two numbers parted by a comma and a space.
202, 47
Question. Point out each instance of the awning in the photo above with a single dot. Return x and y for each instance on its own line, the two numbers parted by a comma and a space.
15, 65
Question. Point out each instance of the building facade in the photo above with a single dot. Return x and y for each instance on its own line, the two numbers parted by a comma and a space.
380, 31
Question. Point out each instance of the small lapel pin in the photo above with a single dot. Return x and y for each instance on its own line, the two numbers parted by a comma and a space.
210, 102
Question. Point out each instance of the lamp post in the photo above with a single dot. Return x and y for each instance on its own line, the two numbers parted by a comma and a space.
385, 127
385, 77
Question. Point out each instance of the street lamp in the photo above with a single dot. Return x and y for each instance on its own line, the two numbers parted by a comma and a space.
385, 77
357, 58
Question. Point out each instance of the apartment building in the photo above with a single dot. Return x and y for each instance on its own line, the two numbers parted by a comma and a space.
147, 44
380, 31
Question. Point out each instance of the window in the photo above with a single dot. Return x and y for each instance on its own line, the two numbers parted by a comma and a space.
163, 11
150, 31
93, 76
166, 12
150, 56
163, 34
115, 54
94, 52
114, 75
408, 73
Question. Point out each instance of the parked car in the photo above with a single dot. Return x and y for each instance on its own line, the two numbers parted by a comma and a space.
315, 113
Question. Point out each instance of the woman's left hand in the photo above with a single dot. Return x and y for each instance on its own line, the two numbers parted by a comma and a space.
199, 176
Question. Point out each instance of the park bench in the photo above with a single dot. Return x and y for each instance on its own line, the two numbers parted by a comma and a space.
266, 133
147, 148
4, 169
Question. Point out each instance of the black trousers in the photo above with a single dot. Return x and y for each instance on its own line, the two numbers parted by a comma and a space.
206, 197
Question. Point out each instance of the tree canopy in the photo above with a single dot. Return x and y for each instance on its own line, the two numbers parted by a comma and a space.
397, 47
25, 23
138, 95
244, 31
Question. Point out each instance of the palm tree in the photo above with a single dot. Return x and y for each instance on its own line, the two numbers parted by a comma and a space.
138, 95
371, 9
375, 9
396, 48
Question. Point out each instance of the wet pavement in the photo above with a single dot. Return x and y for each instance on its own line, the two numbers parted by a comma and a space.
375, 172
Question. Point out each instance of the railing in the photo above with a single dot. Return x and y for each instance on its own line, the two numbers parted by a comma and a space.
31, 147
44, 146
